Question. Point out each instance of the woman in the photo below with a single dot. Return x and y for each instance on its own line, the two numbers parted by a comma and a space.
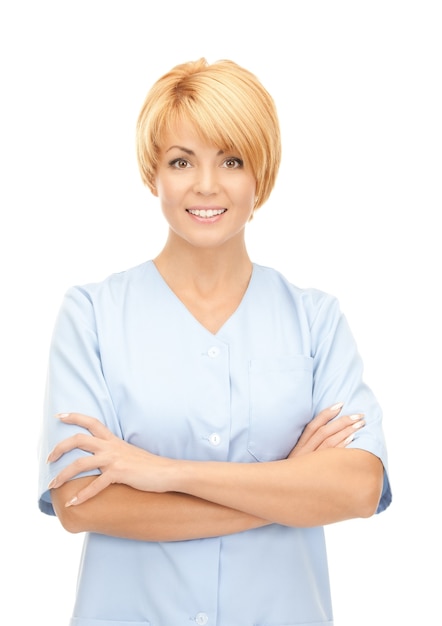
210, 417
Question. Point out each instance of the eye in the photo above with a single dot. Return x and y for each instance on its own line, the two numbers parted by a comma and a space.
233, 163
179, 164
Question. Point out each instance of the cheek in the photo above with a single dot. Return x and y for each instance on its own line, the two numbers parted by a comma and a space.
166, 192
171, 188
246, 194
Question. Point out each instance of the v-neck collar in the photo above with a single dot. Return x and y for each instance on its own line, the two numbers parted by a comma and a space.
180, 303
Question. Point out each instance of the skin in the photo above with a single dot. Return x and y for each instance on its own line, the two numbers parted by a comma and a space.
207, 196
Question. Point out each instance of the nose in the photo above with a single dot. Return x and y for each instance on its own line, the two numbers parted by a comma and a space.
206, 182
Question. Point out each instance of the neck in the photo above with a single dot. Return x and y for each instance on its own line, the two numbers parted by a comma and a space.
206, 268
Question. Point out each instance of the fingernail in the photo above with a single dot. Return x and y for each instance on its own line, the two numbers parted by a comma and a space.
358, 424
356, 416
337, 407
62, 416
71, 502
349, 439
52, 483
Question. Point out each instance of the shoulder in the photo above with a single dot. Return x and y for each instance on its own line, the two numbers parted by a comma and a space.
88, 303
313, 302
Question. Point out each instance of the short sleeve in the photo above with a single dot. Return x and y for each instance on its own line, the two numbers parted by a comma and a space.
75, 383
338, 377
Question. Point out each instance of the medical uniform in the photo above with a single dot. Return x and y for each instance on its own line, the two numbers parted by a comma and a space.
127, 351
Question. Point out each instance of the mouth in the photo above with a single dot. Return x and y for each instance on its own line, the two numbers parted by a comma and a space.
206, 213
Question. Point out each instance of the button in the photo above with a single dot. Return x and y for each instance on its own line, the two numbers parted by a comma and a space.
215, 439
201, 619
213, 352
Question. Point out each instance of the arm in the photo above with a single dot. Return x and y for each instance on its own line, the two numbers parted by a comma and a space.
310, 490
121, 511
117, 509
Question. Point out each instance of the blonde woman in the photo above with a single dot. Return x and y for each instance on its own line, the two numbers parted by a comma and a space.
205, 418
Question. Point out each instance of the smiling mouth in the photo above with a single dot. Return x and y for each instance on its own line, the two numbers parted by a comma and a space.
206, 212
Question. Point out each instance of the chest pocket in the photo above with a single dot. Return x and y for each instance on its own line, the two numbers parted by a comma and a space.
280, 404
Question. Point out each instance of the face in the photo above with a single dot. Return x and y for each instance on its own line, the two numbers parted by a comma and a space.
207, 195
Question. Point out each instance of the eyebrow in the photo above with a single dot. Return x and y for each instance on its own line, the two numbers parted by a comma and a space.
191, 152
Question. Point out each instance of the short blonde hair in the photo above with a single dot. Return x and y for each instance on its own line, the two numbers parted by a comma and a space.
228, 106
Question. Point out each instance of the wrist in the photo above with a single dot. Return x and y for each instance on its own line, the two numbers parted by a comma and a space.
179, 475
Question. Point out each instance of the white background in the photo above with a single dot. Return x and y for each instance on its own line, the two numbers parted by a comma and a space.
355, 212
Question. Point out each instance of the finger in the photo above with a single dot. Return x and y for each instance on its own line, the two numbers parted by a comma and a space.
92, 424
79, 466
343, 437
329, 434
336, 430
78, 441
319, 421
94, 488
340, 424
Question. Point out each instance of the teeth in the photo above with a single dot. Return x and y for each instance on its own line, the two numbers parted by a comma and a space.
206, 212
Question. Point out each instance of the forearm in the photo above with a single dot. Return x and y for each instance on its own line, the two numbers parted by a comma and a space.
137, 494
324, 487
122, 511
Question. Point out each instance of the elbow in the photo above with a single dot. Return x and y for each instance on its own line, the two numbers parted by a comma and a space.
72, 518
69, 518
70, 521
370, 490
369, 504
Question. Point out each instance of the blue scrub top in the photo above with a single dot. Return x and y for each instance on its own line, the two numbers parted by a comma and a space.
127, 351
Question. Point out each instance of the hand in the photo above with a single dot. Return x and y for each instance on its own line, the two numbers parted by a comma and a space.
118, 461
326, 432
